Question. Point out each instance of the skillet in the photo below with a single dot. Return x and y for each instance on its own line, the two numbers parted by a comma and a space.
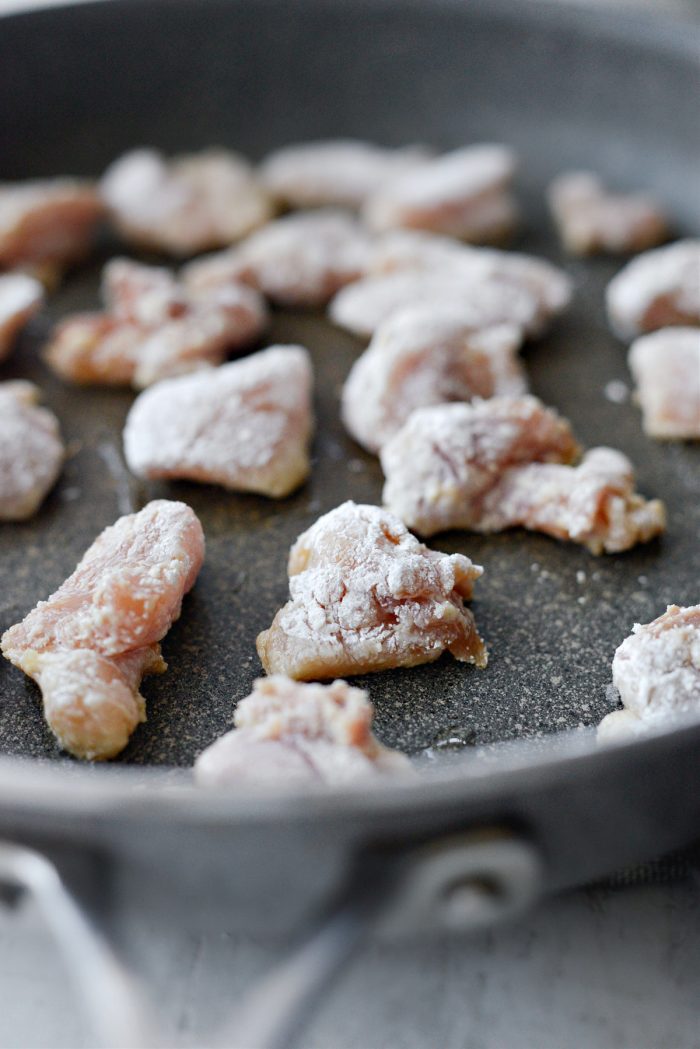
567, 88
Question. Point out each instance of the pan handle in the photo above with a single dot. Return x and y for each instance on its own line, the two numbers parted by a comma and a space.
454, 884
110, 997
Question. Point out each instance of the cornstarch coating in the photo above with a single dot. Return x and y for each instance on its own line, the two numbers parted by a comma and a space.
656, 290
464, 194
656, 670
426, 355
336, 172
245, 426
31, 451
591, 220
503, 463
20, 297
302, 259
403, 250
289, 732
153, 327
88, 646
362, 306
184, 205
366, 595
666, 369
47, 225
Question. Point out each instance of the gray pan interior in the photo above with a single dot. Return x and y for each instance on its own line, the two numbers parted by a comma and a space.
567, 89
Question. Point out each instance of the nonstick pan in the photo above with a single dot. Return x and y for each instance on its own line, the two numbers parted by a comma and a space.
567, 88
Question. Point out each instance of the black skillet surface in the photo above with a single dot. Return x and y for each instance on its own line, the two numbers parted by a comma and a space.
77, 87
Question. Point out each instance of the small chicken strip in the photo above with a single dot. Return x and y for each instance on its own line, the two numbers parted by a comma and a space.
186, 204
656, 290
31, 451
245, 426
300, 260
412, 250
20, 298
592, 221
88, 646
656, 670
362, 306
504, 463
464, 194
152, 328
426, 355
46, 226
666, 369
366, 595
334, 172
288, 733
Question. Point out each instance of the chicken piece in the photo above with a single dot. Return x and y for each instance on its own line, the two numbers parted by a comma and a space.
503, 463
464, 194
186, 204
299, 260
656, 290
593, 221
152, 328
31, 451
656, 670
336, 173
245, 426
366, 595
288, 732
666, 369
427, 355
46, 226
361, 307
414, 251
20, 297
88, 646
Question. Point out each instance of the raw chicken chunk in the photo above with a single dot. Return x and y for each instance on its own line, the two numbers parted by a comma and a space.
299, 260
187, 204
288, 732
88, 646
406, 250
666, 369
591, 220
31, 451
502, 463
464, 194
656, 290
366, 595
245, 426
46, 226
656, 670
337, 172
153, 327
361, 307
20, 297
427, 355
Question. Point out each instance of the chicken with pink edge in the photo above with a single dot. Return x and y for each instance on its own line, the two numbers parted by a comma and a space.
508, 462
666, 369
187, 204
245, 426
300, 260
656, 671
592, 220
153, 327
91, 642
288, 732
427, 355
366, 595
657, 289
20, 298
31, 450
